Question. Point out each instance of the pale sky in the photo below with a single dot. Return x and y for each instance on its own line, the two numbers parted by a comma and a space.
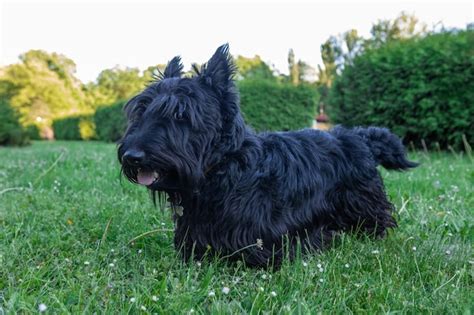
104, 33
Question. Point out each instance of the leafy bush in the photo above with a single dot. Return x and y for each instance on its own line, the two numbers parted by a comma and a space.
420, 88
80, 127
11, 131
270, 105
266, 105
110, 122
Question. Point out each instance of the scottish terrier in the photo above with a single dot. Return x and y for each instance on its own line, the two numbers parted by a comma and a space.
252, 196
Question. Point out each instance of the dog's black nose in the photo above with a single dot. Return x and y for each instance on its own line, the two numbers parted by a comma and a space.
133, 157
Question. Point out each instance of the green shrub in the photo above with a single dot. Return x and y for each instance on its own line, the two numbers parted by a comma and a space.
266, 105
11, 131
270, 105
80, 127
420, 88
33, 132
110, 122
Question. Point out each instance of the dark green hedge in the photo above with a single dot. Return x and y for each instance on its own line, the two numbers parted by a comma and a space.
80, 127
11, 131
420, 88
110, 122
270, 105
266, 106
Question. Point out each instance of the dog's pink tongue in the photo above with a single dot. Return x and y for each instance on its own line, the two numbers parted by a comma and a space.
145, 178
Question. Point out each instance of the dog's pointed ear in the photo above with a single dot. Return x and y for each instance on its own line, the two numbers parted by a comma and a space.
219, 70
174, 68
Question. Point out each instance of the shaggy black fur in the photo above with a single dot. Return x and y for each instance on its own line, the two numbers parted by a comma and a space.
245, 194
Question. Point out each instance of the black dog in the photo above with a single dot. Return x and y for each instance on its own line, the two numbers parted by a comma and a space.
247, 195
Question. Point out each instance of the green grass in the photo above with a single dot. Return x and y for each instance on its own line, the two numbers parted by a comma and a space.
56, 249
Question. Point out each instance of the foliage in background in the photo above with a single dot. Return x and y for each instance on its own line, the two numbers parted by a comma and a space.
253, 68
116, 84
41, 87
420, 88
276, 106
11, 131
340, 51
110, 122
266, 105
79, 127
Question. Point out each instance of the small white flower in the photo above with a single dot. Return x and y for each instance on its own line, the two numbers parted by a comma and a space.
273, 293
225, 290
112, 250
42, 307
211, 294
319, 265
132, 300
305, 264
140, 251
154, 298
67, 260
347, 265
375, 251
115, 260
163, 223
111, 265
264, 276
191, 311
414, 248
448, 252
321, 280
143, 308
199, 264
321, 269
87, 263
259, 243
261, 289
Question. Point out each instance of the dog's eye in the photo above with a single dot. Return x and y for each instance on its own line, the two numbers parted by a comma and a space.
178, 116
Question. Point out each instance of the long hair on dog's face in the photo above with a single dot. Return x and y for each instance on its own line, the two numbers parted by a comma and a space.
179, 126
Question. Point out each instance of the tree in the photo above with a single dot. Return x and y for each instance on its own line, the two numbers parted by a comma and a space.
340, 51
42, 87
117, 84
293, 68
253, 68
330, 52
11, 131
353, 45
402, 27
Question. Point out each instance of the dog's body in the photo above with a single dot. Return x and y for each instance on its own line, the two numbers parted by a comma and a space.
245, 195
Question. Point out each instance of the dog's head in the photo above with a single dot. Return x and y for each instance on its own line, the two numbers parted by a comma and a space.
179, 127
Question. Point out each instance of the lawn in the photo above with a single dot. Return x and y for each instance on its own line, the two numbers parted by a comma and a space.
66, 220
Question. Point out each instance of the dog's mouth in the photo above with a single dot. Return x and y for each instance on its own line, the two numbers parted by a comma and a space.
147, 178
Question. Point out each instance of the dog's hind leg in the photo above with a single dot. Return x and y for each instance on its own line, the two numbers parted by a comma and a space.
363, 208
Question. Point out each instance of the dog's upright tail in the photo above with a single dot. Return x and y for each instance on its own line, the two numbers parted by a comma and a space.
387, 149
